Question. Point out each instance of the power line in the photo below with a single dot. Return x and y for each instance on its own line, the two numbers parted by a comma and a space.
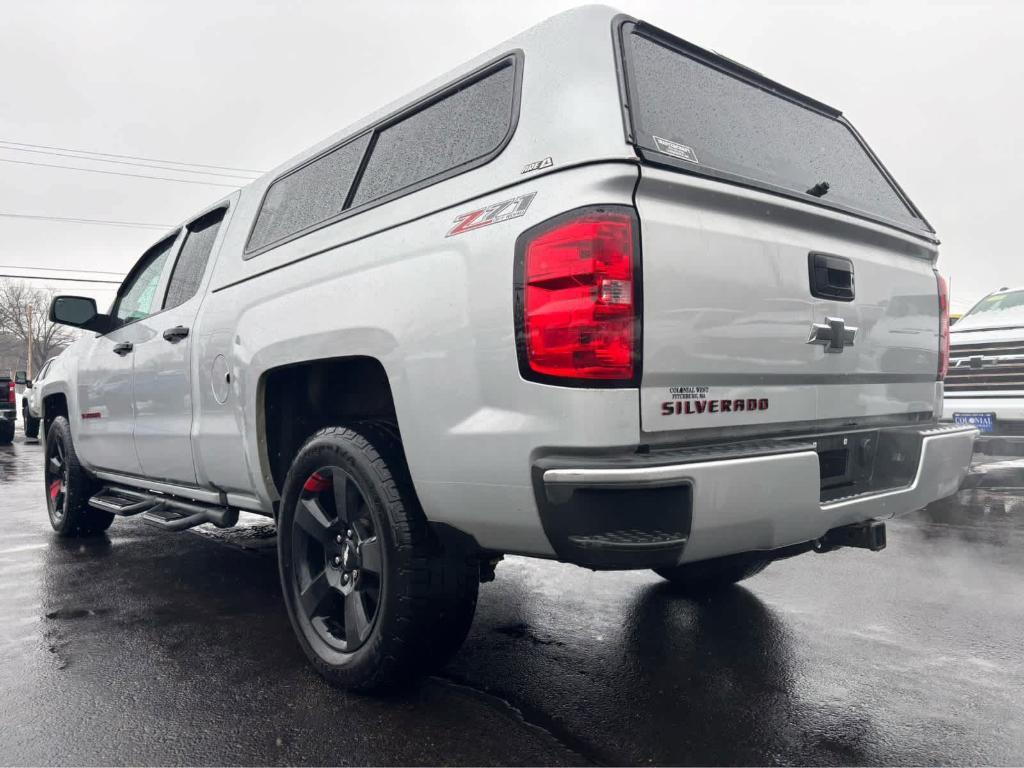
61, 279
119, 173
59, 269
132, 157
128, 162
72, 220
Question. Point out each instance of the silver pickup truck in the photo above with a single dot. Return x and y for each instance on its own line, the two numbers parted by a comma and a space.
599, 296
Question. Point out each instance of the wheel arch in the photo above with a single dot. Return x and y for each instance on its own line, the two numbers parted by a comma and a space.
297, 399
53, 405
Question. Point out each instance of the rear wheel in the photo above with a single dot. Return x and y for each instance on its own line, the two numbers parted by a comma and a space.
69, 487
6, 432
712, 575
372, 595
31, 424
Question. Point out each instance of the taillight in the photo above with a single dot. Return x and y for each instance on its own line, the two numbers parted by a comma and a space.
12, 396
943, 326
577, 288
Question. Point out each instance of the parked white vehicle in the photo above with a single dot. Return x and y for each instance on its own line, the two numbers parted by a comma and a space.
31, 405
985, 384
598, 295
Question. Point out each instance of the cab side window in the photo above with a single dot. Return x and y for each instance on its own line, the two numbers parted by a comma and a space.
136, 299
195, 254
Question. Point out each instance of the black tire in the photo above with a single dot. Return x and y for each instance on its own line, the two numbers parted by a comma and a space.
712, 575
6, 432
69, 487
374, 597
31, 424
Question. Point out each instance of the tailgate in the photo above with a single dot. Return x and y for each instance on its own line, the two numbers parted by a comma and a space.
786, 276
728, 311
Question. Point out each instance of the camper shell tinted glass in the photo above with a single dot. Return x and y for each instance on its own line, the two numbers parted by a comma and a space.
453, 130
703, 114
312, 193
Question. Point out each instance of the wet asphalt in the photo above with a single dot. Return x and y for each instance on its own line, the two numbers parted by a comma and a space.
143, 647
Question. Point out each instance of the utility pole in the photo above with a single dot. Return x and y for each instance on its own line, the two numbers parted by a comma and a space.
29, 335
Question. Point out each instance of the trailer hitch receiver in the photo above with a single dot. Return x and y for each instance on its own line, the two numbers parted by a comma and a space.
869, 535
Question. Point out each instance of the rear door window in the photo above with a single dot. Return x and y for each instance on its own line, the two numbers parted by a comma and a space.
195, 254
711, 120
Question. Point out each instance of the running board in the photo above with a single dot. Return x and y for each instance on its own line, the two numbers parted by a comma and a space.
173, 515
161, 511
121, 501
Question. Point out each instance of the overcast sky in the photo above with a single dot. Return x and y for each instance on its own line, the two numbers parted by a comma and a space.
933, 86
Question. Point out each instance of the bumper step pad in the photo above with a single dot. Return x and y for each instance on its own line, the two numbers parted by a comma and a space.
631, 540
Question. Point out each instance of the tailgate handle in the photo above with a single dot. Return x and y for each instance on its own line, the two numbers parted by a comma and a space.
831, 276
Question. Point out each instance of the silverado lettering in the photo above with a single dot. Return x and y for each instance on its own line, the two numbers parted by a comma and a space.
735, 405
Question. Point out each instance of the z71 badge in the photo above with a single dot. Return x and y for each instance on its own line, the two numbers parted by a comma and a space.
492, 214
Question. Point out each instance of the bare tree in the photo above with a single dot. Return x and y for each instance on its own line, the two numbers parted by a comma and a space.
20, 305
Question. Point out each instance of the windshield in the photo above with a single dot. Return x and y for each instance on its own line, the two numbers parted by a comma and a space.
999, 302
999, 310
723, 125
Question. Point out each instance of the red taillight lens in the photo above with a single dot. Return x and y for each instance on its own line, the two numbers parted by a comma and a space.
577, 297
943, 326
12, 396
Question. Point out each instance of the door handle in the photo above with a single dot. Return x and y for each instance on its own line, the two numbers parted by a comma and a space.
123, 348
176, 334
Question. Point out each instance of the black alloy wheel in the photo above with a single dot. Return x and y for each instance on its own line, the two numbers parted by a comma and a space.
56, 473
375, 595
339, 569
69, 486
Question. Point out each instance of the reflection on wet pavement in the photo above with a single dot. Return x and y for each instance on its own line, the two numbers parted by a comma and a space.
148, 647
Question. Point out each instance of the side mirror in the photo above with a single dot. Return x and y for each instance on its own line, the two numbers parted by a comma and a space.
79, 312
21, 379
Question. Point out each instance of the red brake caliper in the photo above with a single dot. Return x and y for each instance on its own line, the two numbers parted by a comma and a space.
316, 483
54, 490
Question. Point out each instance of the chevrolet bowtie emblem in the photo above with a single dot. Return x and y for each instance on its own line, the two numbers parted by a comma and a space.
834, 335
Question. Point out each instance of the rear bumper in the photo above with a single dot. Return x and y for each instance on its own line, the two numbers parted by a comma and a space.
719, 501
7, 414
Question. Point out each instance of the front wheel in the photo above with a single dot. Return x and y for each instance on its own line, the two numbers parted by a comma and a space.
373, 597
712, 575
6, 432
69, 487
31, 424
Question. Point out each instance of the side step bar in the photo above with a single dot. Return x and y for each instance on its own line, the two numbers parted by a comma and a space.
164, 512
122, 501
174, 515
